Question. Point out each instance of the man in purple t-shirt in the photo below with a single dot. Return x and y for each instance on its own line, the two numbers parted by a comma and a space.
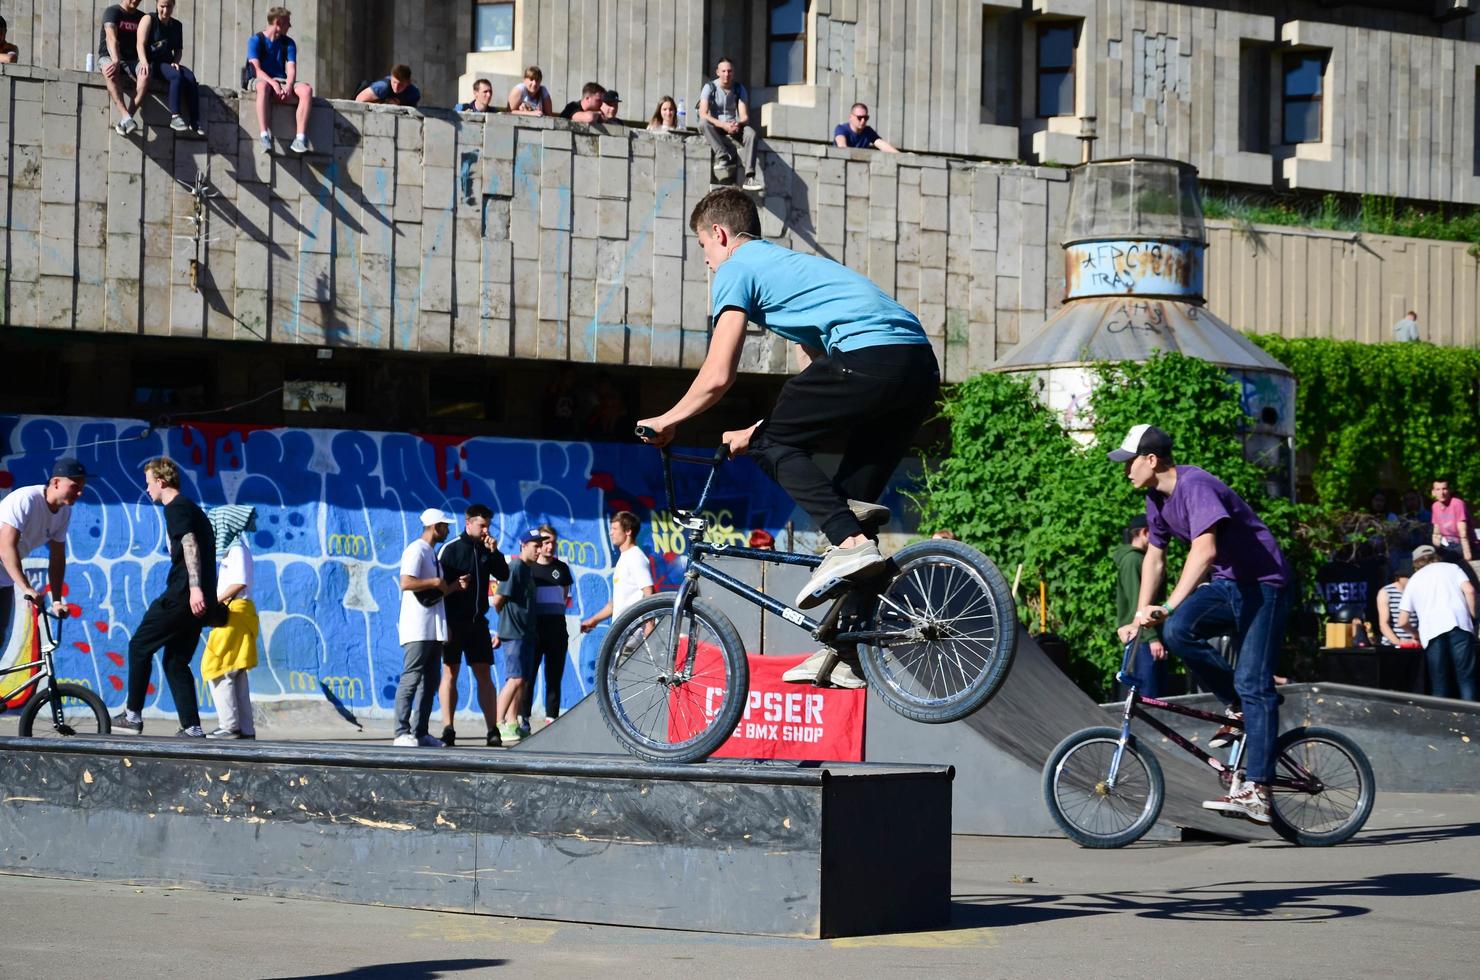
1247, 598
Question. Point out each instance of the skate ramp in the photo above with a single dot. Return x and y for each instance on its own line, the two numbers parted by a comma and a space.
998, 753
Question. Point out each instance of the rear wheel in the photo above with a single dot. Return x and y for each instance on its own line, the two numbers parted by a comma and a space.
1323, 787
1091, 812
956, 632
83, 713
668, 701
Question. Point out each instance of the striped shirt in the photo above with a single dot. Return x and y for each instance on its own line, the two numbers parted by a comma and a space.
1390, 598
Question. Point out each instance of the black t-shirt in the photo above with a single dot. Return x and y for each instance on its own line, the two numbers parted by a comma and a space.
127, 24
570, 110
182, 517
166, 41
549, 581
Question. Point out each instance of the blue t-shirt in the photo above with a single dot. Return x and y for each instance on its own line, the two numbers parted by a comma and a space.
410, 95
273, 56
811, 300
1246, 550
861, 140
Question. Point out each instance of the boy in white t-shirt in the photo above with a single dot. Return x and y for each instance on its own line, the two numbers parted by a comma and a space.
29, 517
632, 578
1441, 596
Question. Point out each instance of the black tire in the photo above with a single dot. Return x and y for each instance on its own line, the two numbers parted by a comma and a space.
1343, 802
638, 704
1089, 813
964, 611
83, 713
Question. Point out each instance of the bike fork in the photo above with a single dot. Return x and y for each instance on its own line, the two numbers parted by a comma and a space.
1125, 737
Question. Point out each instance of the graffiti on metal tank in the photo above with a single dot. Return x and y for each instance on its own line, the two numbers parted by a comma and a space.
1142, 268
335, 509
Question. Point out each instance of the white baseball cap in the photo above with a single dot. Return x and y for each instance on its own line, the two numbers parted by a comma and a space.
1141, 440
432, 516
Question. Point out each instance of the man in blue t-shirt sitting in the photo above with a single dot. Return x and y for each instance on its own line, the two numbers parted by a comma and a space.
858, 134
394, 89
272, 63
1247, 598
870, 381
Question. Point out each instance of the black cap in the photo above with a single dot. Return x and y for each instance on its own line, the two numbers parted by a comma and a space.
1141, 440
611, 97
69, 467
1137, 522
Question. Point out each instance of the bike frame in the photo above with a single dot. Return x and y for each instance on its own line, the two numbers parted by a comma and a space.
698, 548
1135, 708
45, 671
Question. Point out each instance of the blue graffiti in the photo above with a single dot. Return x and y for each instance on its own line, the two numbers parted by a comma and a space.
335, 509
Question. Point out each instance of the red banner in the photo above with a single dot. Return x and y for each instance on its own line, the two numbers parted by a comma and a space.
781, 720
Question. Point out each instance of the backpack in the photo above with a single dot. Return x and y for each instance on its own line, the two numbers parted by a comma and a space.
248, 72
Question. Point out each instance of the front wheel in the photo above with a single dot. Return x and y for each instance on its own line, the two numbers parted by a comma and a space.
83, 713
1323, 787
954, 633
672, 690
1087, 808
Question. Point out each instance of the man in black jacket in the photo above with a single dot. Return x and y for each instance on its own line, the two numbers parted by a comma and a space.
473, 553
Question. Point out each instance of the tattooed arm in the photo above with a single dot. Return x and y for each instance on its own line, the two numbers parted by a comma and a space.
190, 550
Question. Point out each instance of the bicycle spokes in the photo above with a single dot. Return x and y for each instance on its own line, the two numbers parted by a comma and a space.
947, 629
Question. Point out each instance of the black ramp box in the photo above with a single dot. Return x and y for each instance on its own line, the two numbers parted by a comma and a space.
763, 849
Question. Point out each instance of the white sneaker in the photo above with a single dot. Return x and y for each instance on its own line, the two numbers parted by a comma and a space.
429, 742
844, 673
299, 145
1249, 801
839, 566
125, 126
869, 515
266, 140
753, 183
407, 741
178, 125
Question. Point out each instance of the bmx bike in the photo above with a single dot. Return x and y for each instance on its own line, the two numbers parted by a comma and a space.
1104, 789
70, 709
936, 632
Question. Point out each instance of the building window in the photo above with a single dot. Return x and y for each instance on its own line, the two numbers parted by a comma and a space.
1002, 63
1304, 73
493, 25
1056, 41
1253, 97
786, 37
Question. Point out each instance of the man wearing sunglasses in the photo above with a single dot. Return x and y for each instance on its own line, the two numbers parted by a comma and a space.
858, 134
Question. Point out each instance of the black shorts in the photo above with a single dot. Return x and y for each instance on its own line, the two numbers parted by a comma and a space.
470, 642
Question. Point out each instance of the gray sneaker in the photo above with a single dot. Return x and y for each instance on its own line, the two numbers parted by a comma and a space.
870, 515
753, 183
299, 145
845, 673
120, 725
840, 566
266, 140
178, 125
194, 731
125, 126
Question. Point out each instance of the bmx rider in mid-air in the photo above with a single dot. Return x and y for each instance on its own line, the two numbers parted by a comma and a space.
871, 379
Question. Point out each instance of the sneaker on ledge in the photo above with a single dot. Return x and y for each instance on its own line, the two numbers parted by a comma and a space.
125, 126
122, 726
266, 140
429, 741
494, 741
194, 731
407, 741
509, 732
753, 183
299, 145
224, 733
178, 125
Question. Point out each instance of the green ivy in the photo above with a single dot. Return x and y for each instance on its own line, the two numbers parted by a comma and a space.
1372, 416
1017, 485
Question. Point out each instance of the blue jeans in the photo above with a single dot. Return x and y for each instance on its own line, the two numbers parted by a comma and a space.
1254, 614
1451, 659
184, 91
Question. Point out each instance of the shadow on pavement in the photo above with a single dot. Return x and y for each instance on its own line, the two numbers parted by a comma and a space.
419, 970
1299, 901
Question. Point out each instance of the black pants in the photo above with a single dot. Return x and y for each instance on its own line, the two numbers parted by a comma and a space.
876, 398
167, 623
552, 646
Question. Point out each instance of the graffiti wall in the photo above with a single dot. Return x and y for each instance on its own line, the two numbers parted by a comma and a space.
335, 509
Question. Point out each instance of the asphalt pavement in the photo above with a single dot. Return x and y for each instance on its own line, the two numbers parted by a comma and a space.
1402, 898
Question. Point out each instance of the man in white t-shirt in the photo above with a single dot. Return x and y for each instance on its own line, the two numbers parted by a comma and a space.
30, 516
422, 630
1441, 596
632, 579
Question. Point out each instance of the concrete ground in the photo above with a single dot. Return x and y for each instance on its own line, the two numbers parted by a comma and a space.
1402, 898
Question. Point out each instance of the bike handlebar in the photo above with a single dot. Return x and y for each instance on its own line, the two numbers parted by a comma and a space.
47, 612
714, 462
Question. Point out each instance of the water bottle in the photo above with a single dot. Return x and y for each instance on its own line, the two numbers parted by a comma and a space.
682, 121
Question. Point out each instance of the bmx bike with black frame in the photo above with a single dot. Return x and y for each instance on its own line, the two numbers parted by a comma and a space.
1105, 789
936, 632
55, 709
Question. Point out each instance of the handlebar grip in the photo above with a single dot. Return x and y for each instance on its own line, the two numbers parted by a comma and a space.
645, 432
46, 612
721, 454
